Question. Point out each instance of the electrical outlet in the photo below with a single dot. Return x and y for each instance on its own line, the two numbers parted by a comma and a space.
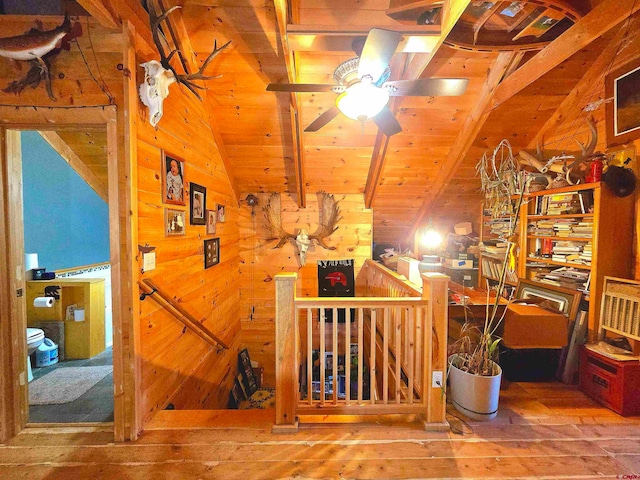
436, 381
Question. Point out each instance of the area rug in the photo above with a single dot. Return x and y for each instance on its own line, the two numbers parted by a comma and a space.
66, 384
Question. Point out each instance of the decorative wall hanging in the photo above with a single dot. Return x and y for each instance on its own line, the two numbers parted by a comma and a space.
173, 181
623, 114
39, 48
174, 221
159, 75
211, 222
198, 202
211, 252
329, 215
222, 215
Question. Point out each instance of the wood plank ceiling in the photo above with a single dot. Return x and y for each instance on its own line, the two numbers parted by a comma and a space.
426, 171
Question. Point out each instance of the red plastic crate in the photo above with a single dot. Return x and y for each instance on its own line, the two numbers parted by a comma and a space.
613, 383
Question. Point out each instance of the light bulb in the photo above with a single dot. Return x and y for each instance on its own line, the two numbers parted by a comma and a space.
431, 239
362, 101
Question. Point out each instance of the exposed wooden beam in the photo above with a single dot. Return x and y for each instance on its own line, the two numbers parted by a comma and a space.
597, 22
284, 11
466, 136
592, 81
99, 10
452, 12
180, 36
69, 156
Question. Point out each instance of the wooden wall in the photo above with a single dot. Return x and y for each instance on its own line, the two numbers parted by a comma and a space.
260, 262
177, 366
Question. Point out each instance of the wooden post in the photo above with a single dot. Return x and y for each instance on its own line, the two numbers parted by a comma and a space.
286, 369
434, 290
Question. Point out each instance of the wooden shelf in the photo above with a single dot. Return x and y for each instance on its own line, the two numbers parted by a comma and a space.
568, 239
560, 264
564, 215
497, 280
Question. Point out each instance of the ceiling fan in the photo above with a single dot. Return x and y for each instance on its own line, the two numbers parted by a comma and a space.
363, 86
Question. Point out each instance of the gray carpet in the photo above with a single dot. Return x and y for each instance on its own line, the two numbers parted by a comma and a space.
64, 385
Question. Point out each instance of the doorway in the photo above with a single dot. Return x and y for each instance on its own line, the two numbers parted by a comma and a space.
13, 371
66, 234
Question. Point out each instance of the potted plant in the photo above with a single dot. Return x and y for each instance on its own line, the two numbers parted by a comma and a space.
474, 374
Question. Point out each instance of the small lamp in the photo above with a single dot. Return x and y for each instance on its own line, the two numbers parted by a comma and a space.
430, 240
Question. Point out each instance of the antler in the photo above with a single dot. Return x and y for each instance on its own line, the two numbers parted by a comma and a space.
274, 222
329, 217
159, 39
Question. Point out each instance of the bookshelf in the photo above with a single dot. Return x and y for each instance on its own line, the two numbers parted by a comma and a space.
492, 251
575, 236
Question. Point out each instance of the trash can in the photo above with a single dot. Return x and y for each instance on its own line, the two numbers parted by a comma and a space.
47, 353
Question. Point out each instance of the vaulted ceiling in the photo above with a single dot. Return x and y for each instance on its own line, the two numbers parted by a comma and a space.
427, 170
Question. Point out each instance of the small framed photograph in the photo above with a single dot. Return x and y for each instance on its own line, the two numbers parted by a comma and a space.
211, 222
198, 202
211, 252
221, 213
173, 182
174, 221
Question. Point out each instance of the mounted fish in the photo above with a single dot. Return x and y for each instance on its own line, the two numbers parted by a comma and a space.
39, 48
159, 75
327, 224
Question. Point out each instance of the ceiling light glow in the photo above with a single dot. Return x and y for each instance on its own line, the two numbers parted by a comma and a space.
362, 101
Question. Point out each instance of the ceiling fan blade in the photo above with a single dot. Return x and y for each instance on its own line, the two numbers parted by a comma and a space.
427, 87
377, 52
303, 87
323, 119
387, 122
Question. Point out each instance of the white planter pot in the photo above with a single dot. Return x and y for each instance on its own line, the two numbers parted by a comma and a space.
475, 396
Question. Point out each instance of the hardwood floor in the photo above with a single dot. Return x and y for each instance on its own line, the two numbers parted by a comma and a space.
543, 430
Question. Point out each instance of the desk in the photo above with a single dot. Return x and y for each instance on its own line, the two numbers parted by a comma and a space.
476, 308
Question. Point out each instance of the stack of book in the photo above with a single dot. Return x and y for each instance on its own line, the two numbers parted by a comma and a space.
568, 278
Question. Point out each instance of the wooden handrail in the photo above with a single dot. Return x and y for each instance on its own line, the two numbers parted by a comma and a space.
181, 314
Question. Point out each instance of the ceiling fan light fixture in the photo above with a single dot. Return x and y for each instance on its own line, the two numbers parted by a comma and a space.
362, 101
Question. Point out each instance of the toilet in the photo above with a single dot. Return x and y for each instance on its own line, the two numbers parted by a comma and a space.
35, 337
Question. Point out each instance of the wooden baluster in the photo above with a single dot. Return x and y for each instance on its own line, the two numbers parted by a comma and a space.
411, 349
286, 369
322, 355
385, 357
398, 352
347, 356
336, 352
310, 356
372, 367
360, 348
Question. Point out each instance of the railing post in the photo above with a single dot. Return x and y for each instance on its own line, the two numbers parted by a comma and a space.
286, 368
435, 292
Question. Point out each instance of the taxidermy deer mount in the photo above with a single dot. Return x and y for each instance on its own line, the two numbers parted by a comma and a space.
329, 215
38, 47
159, 75
574, 172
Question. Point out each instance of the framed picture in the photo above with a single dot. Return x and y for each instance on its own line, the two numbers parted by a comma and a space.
563, 299
211, 222
623, 114
221, 213
211, 252
198, 202
174, 222
173, 182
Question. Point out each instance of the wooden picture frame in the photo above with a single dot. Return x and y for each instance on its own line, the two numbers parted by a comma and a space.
211, 252
175, 222
221, 213
173, 179
197, 204
564, 299
623, 113
211, 222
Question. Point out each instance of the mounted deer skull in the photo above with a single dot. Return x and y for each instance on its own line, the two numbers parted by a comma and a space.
159, 75
571, 173
329, 216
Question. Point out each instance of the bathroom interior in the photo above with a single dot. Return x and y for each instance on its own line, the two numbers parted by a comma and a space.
68, 290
